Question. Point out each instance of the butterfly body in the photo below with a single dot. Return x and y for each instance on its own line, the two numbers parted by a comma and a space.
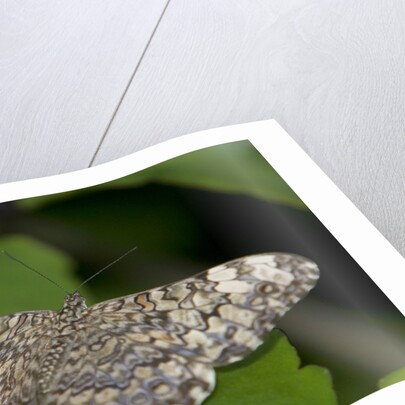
157, 347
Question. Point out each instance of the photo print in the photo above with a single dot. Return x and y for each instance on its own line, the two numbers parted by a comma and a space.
339, 341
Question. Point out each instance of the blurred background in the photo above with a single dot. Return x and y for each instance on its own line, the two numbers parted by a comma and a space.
186, 215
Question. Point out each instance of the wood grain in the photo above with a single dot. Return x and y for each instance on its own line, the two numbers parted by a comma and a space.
63, 68
330, 72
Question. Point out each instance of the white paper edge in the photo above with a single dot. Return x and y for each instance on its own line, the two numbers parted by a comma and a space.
391, 395
377, 257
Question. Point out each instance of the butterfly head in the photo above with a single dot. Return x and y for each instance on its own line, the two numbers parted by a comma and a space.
73, 307
75, 300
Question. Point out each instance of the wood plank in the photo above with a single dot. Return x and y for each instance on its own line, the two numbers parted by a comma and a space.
63, 68
330, 72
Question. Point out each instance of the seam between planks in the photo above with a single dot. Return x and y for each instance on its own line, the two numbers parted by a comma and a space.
129, 84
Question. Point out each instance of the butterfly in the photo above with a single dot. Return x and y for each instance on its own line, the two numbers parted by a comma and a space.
155, 347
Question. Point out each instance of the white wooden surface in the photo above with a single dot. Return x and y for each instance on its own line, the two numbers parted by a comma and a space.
63, 68
330, 72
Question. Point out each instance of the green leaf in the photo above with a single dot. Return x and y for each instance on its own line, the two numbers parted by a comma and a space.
271, 375
233, 168
392, 378
236, 168
22, 289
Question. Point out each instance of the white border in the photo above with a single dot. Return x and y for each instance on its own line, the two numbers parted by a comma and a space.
357, 235
391, 395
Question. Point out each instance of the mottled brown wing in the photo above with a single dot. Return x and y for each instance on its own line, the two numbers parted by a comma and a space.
22, 343
220, 315
109, 368
158, 347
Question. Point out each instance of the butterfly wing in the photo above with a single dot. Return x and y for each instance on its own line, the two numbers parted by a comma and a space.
22, 342
220, 315
110, 368
159, 347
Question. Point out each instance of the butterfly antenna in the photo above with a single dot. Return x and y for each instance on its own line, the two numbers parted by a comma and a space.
34, 270
106, 267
